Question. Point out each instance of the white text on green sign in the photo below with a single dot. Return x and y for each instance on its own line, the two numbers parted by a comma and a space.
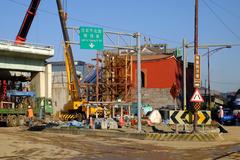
91, 38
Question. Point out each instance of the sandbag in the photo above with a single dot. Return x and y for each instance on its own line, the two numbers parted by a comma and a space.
155, 117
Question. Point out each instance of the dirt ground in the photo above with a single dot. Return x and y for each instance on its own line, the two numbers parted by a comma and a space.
17, 143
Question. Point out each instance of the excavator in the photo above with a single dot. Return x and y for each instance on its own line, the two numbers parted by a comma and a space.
77, 107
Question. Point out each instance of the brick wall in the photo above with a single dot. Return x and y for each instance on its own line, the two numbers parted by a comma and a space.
156, 97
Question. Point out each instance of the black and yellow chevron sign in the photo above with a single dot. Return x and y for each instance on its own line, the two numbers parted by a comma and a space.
204, 117
185, 117
178, 117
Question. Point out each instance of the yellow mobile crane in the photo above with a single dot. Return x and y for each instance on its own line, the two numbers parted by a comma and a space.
77, 107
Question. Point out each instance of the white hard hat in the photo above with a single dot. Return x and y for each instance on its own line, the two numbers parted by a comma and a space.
220, 106
29, 106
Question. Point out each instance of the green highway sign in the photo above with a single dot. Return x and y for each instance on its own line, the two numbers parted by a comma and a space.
91, 38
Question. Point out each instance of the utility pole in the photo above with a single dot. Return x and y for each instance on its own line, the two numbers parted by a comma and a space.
139, 96
209, 90
195, 55
205, 90
196, 28
184, 75
97, 77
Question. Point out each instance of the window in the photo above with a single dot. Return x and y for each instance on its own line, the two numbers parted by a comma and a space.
143, 79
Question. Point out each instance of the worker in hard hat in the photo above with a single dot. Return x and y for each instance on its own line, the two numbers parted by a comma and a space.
30, 115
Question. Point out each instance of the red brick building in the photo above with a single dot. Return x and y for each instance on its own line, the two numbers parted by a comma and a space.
159, 72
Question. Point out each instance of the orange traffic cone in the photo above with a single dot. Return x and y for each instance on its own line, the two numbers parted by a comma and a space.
121, 122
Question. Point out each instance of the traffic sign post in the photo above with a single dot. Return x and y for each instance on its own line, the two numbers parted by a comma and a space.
91, 38
197, 106
197, 75
197, 97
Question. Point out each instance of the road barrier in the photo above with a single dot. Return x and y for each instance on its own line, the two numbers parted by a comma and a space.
201, 137
186, 117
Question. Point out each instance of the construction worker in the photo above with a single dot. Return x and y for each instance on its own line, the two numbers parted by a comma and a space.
220, 115
30, 115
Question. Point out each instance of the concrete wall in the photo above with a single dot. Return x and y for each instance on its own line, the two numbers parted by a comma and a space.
59, 90
21, 63
38, 84
48, 80
60, 96
157, 97
41, 83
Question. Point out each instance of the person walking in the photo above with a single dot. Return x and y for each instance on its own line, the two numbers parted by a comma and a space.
30, 115
220, 115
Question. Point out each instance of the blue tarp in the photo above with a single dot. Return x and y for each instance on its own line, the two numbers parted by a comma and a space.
20, 93
75, 124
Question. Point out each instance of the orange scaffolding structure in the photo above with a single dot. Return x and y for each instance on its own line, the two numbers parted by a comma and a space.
115, 79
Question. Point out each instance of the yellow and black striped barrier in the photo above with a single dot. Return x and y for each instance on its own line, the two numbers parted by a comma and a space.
183, 137
198, 137
67, 117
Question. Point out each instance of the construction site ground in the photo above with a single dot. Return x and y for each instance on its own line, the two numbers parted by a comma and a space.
19, 143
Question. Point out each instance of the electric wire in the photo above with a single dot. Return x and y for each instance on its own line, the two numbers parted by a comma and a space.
224, 9
220, 19
225, 83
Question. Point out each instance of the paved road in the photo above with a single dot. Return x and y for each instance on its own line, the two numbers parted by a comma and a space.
17, 143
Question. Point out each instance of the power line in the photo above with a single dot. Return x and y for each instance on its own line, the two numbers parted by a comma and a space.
164, 39
226, 83
226, 26
21, 4
97, 24
226, 10
235, 45
25, 5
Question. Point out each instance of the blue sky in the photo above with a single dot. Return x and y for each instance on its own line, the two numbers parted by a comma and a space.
164, 21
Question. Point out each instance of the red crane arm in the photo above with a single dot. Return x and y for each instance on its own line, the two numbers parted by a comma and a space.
26, 24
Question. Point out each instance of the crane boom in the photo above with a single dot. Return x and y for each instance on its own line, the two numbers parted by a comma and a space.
74, 88
26, 24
